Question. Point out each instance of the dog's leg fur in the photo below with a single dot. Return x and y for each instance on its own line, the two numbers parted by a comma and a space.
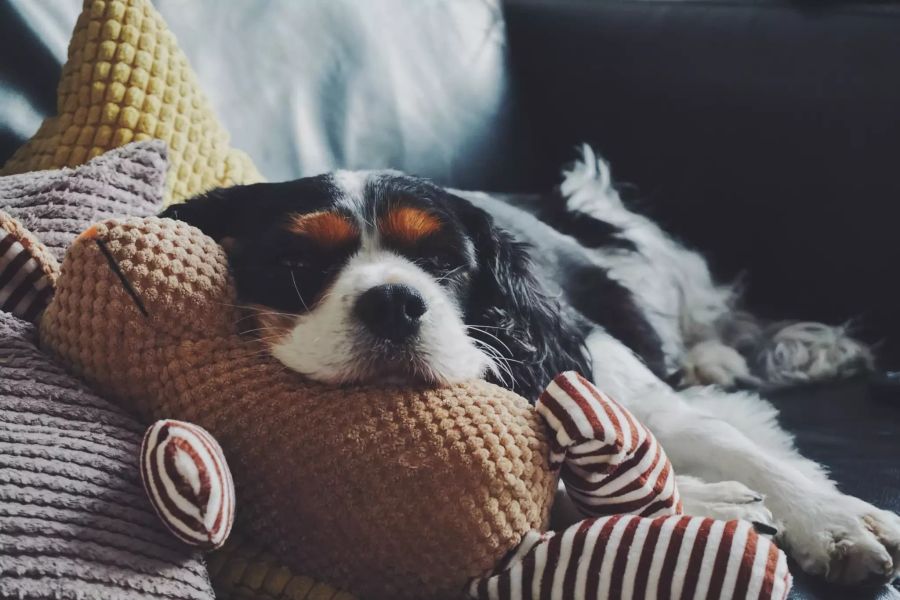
719, 436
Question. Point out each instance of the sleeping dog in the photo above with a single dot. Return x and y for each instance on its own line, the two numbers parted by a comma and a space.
376, 276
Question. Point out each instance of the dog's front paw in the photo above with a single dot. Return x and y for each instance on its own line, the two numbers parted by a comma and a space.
845, 540
725, 500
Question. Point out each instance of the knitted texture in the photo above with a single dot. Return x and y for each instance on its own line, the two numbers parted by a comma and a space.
389, 493
57, 205
126, 80
244, 571
74, 519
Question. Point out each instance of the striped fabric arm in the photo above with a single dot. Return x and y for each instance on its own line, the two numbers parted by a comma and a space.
626, 557
27, 271
611, 464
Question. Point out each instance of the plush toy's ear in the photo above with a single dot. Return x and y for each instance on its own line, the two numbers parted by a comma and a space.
27, 271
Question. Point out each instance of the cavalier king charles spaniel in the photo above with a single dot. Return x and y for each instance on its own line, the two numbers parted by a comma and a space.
356, 277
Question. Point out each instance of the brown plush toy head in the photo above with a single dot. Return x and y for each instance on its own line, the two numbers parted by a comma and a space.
389, 492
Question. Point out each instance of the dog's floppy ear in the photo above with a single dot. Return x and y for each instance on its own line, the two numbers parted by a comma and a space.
219, 213
522, 322
245, 210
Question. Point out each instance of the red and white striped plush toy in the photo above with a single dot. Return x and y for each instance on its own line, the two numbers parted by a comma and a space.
636, 543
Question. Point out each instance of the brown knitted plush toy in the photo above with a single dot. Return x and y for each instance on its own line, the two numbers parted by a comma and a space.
392, 492
403, 493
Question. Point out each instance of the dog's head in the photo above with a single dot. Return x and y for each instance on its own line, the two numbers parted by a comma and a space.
377, 276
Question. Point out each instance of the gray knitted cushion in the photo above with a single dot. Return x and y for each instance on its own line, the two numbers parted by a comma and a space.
57, 205
74, 519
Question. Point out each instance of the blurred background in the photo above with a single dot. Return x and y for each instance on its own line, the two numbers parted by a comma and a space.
765, 133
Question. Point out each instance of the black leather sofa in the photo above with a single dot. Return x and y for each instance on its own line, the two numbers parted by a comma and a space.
766, 133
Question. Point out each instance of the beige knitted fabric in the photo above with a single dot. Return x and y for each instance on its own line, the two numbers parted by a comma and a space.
389, 493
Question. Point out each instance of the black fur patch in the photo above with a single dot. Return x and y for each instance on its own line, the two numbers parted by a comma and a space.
611, 305
588, 231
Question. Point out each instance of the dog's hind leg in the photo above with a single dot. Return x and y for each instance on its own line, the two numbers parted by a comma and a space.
718, 436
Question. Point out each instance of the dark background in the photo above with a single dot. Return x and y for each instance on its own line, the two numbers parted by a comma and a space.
766, 135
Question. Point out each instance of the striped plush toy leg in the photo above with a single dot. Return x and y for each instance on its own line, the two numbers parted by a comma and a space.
27, 271
611, 464
626, 557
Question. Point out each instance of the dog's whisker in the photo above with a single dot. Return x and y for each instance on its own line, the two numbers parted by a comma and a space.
297, 289
491, 335
498, 365
262, 329
448, 274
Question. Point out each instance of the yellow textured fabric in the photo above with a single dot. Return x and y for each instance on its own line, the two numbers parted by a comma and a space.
244, 571
391, 492
126, 80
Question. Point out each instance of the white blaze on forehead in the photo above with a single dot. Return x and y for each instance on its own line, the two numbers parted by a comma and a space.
352, 197
352, 187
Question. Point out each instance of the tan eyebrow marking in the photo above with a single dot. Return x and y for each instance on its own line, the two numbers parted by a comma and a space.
408, 225
326, 228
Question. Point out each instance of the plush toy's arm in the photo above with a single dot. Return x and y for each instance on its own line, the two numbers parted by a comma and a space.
639, 558
27, 271
611, 463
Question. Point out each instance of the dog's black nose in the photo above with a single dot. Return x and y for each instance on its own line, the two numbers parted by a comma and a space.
391, 311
